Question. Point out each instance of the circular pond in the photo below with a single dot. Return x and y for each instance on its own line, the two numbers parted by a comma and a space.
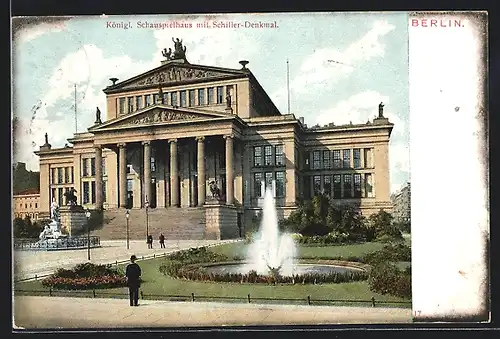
300, 269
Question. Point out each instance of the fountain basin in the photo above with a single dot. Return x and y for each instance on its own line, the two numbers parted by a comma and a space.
298, 269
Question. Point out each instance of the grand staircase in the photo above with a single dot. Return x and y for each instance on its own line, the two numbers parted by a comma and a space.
175, 224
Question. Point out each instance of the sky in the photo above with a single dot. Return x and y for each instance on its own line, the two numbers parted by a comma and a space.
341, 66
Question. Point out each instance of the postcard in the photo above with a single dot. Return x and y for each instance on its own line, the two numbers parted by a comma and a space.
256, 169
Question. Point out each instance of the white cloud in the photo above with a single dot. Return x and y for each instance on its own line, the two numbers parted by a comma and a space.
31, 33
317, 72
358, 109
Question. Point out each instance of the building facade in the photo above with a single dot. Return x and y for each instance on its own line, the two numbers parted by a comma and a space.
27, 204
402, 204
176, 133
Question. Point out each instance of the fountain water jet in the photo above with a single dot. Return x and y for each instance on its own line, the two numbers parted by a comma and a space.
270, 251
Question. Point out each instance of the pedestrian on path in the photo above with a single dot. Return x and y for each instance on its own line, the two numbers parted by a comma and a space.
133, 274
162, 240
150, 241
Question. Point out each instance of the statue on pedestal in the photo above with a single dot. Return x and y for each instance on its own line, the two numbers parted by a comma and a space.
71, 196
381, 110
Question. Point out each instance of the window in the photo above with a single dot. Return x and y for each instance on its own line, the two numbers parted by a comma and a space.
347, 158
53, 176
337, 186
268, 155
59, 175
165, 98
327, 184
183, 98
92, 184
307, 160
156, 98
278, 155
138, 102
25, 206
130, 104
257, 184
357, 185
92, 166
103, 166
316, 160
104, 191
147, 99
280, 184
36, 205
67, 178
220, 96
121, 104
269, 180
191, 97
326, 160
368, 185
173, 98
86, 192
317, 184
53, 196
257, 156
31, 205
336, 159
210, 96
201, 96
60, 196
66, 190
347, 186
356, 156
72, 175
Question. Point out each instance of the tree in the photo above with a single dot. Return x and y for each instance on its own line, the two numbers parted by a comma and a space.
383, 227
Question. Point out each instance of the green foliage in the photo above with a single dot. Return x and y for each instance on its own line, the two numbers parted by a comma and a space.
325, 217
383, 228
403, 226
386, 278
389, 253
86, 276
23, 179
24, 228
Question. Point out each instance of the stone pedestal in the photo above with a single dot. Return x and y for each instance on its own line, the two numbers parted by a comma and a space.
221, 222
72, 219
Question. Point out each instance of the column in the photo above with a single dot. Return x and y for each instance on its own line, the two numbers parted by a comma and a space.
201, 171
229, 169
174, 175
147, 170
98, 177
122, 174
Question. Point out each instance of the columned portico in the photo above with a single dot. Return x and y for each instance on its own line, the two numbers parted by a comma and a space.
229, 169
201, 171
174, 173
122, 175
98, 177
147, 170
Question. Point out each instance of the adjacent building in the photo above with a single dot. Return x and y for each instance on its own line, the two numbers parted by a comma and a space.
27, 204
176, 135
402, 204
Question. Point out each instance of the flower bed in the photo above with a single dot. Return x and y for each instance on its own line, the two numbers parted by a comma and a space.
86, 276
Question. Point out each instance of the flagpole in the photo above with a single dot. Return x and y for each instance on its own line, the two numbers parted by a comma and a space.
76, 119
288, 84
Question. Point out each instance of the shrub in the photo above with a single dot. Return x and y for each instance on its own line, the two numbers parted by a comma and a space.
86, 276
390, 252
175, 261
385, 278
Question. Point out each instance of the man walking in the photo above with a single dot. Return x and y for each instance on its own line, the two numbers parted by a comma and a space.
150, 241
162, 240
133, 274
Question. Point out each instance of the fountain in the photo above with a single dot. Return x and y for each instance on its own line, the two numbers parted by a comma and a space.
274, 254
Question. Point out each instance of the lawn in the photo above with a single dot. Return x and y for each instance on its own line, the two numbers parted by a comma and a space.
159, 286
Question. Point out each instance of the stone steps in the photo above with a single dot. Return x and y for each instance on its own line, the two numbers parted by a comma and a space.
174, 223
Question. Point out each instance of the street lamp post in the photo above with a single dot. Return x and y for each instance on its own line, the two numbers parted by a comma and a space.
127, 215
87, 214
146, 204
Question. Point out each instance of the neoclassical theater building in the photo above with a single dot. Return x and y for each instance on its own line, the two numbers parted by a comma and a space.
173, 136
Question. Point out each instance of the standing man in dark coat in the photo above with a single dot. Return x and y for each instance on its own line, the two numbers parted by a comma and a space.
162, 240
150, 241
133, 274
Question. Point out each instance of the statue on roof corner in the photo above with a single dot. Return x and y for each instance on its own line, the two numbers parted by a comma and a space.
167, 54
381, 110
179, 50
46, 139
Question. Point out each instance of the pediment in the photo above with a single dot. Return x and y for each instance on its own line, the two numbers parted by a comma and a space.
173, 73
158, 115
